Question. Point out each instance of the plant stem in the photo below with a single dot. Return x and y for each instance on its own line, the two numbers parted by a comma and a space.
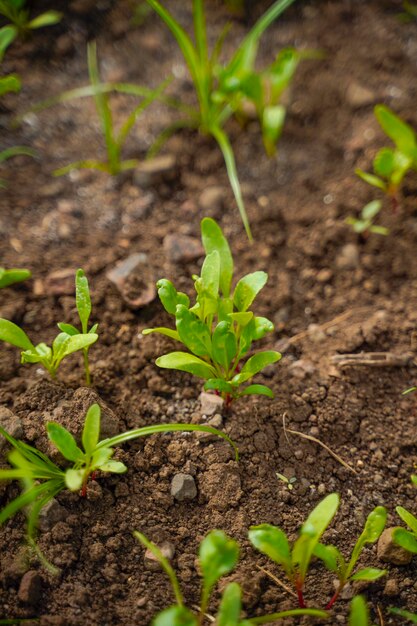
300, 596
333, 599
87, 368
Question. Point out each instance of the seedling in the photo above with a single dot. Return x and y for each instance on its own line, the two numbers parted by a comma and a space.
364, 225
217, 88
49, 357
410, 617
114, 141
407, 539
13, 276
21, 25
219, 329
83, 304
335, 562
359, 612
391, 165
42, 479
218, 555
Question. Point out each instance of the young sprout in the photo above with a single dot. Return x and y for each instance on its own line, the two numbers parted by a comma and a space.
20, 24
42, 479
220, 90
83, 304
335, 562
359, 612
218, 329
13, 276
217, 557
407, 539
295, 559
391, 165
364, 224
410, 617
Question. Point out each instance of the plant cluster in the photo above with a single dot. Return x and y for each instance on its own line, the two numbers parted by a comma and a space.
218, 329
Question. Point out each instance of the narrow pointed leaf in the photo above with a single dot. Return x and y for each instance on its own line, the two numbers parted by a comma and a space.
186, 363
230, 606
257, 390
11, 333
64, 442
255, 364
91, 430
247, 289
168, 332
368, 573
408, 518
213, 239
82, 298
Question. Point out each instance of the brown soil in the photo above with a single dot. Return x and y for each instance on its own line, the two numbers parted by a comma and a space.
297, 203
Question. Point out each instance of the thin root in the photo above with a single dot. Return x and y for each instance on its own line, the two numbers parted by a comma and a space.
277, 581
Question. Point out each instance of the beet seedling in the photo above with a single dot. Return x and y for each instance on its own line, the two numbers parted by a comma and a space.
364, 224
391, 165
13, 276
42, 479
219, 329
83, 304
218, 556
407, 539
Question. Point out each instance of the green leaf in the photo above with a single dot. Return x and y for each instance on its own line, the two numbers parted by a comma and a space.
116, 467
210, 274
384, 163
170, 297
101, 456
91, 430
312, 530
254, 365
213, 239
7, 35
186, 363
175, 616
218, 384
369, 573
247, 289
257, 390
230, 606
8, 84
64, 442
11, 333
69, 329
273, 119
398, 131
224, 345
273, 617
13, 276
273, 542
193, 332
408, 518
82, 299
46, 19
218, 555
242, 319
359, 613
73, 344
412, 617
405, 539
371, 210
74, 479
168, 332
330, 555
262, 327
374, 526
372, 180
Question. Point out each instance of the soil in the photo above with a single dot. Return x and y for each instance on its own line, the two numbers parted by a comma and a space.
329, 293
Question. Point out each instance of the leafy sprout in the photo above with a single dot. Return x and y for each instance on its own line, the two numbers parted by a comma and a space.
359, 612
407, 539
218, 329
13, 276
218, 556
220, 90
392, 164
20, 23
364, 224
42, 479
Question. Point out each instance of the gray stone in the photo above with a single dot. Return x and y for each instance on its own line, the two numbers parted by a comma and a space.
51, 514
150, 560
134, 280
11, 424
348, 257
183, 487
390, 552
210, 403
30, 588
181, 248
156, 171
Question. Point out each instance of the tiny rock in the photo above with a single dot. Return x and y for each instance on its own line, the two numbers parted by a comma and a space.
391, 587
211, 201
302, 368
389, 552
11, 424
151, 562
155, 171
30, 587
210, 403
134, 280
348, 257
183, 487
181, 248
316, 333
60, 283
359, 96
324, 275
51, 514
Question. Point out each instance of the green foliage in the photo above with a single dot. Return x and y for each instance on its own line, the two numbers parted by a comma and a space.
359, 613
13, 276
411, 617
221, 90
218, 556
410, 12
365, 223
295, 559
20, 23
407, 539
83, 304
218, 329
391, 165
42, 479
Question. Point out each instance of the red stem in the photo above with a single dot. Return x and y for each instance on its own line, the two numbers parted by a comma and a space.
300, 596
333, 599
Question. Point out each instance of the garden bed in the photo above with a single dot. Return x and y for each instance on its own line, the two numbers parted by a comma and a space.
328, 292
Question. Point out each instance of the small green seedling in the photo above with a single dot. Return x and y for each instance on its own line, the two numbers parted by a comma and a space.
364, 225
83, 304
391, 165
49, 357
359, 612
335, 562
217, 87
407, 539
410, 617
219, 329
13, 276
20, 24
295, 559
42, 479
114, 141
218, 556
410, 12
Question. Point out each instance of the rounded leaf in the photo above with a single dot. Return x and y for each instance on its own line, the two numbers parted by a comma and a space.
218, 555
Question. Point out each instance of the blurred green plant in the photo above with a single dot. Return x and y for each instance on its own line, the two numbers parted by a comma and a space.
364, 224
13, 276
